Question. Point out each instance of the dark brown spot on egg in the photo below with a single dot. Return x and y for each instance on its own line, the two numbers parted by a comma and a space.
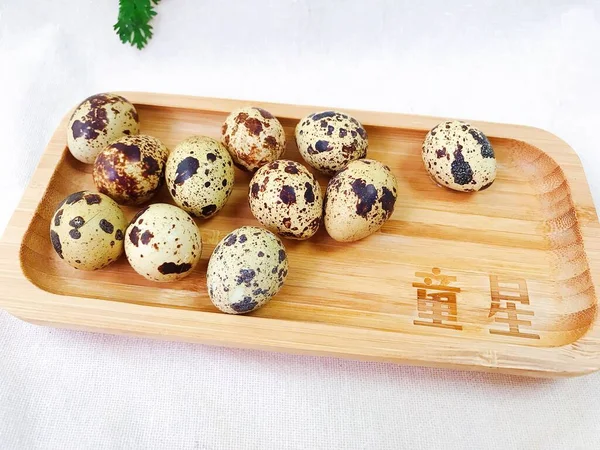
241, 117
208, 210
291, 169
245, 276
168, 268
485, 186
266, 114
119, 235
253, 125
57, 217
224, 128
230, 240
55, 239
186, 169
150, 166
282, 255
461, 169
131, 152
224, 182
106, 226
330, 129
441, 153
211, 157
246, 305
243, 238
254, 190
74, 233
75, 197
309, 195
322, 146
323, 115
77, 222
343, 132
388, 200
271, 142
134, 236
367, 196
287, 195
146, 237
287, 222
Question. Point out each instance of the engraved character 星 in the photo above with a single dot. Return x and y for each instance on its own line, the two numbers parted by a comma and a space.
508, 296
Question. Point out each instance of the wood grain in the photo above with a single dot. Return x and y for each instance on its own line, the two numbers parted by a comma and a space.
524, 256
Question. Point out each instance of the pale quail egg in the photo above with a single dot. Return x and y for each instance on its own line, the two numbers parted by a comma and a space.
253, 137
96, 122
200, 175
359, 199
163, 243
247, 268
286, 198
130, 170
87, 230
459, 156
329, 140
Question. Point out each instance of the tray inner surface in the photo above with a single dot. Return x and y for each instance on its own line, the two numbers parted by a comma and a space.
507, 264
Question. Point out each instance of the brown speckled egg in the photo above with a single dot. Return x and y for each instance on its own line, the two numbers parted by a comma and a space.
459, 156
329, 140
200, 175
247, 268
359, 199
131, 169
98, 121
253, 137
87, 230
163, 243
286, 198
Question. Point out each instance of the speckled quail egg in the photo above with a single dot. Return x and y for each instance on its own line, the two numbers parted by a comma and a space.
96, 122
359, 199
329, 140
87, 230
163, 243
130, 170
247, 268
286, 198
253, 137
200, 175
459, 156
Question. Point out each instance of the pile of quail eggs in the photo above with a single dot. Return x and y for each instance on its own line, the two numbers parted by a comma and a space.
249, 265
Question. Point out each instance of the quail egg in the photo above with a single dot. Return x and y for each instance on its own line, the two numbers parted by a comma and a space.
96, 122
253, 137
130, 170
163, 243
286, 198
247, 268
459, 156
359, 199
329, 140
200, 175
87, 230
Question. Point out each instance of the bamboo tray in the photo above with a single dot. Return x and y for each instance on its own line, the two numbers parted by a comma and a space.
503, 280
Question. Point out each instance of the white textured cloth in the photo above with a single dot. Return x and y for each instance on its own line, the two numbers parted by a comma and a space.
529, 62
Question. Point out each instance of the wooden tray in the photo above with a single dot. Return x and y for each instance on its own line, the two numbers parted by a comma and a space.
502, 280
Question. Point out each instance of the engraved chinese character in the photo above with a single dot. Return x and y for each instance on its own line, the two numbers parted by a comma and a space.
436, 300
508, 296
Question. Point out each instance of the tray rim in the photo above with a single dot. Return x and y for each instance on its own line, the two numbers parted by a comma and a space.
92, 314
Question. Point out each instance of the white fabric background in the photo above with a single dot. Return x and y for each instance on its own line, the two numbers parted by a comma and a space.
528, 62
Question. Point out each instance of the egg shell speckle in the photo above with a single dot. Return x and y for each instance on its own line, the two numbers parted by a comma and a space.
131, 169
98, 121
247, 268
459, 156
200, 175
329, 140
253, 137
359, 200
87, 230
286, 198
163, 243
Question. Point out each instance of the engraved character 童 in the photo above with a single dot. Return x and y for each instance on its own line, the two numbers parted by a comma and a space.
436, 300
